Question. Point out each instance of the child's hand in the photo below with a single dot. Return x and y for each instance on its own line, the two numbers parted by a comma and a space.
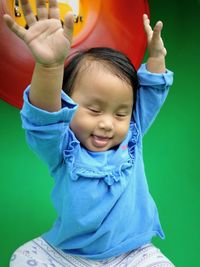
154, 41
48, 41
155, 45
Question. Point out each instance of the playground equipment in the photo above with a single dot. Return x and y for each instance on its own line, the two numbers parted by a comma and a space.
116, 24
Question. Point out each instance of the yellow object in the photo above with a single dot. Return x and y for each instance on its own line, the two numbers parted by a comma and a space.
81, 10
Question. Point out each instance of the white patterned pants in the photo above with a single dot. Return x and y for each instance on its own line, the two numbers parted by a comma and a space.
40, 254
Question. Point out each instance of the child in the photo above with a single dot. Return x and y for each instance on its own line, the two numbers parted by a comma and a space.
91, 140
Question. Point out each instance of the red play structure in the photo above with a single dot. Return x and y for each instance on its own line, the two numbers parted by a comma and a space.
116, 24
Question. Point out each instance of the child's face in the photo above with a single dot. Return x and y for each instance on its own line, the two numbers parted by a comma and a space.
105, 107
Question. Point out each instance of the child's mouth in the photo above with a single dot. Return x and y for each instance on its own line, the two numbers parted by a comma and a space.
100, 141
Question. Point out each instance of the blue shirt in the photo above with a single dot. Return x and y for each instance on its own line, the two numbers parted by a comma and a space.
102, 198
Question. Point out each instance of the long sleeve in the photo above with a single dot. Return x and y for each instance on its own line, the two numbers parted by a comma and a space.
150, 97
48, 133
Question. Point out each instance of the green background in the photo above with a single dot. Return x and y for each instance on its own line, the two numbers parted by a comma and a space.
170, 150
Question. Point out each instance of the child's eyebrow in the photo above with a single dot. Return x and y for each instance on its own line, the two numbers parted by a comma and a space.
121, 106
100, 102
95, 101
127, 105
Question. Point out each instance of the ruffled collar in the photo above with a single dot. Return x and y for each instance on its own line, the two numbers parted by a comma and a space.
110, 165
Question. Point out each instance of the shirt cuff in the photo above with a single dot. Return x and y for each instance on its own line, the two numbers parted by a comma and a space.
151, 79
41, 117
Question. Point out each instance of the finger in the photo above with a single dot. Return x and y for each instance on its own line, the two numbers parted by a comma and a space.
157, 31
145, 16
28, 13
158, 28
156, 37
69, 26
147, 27
146, 20
14, 27
42, 11
54, 12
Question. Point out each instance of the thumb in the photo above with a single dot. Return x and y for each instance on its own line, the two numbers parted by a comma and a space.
14, 27
69, 26
157, 29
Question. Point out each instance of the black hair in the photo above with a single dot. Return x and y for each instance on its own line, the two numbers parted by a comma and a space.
117, 62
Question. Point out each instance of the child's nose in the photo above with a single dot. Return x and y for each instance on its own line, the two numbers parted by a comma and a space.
106, 123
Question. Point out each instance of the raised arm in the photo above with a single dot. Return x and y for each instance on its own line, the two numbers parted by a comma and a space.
155, 46
155, 79
49, 43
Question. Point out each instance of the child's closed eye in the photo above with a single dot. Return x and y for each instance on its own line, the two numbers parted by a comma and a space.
121, 115
94, 110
